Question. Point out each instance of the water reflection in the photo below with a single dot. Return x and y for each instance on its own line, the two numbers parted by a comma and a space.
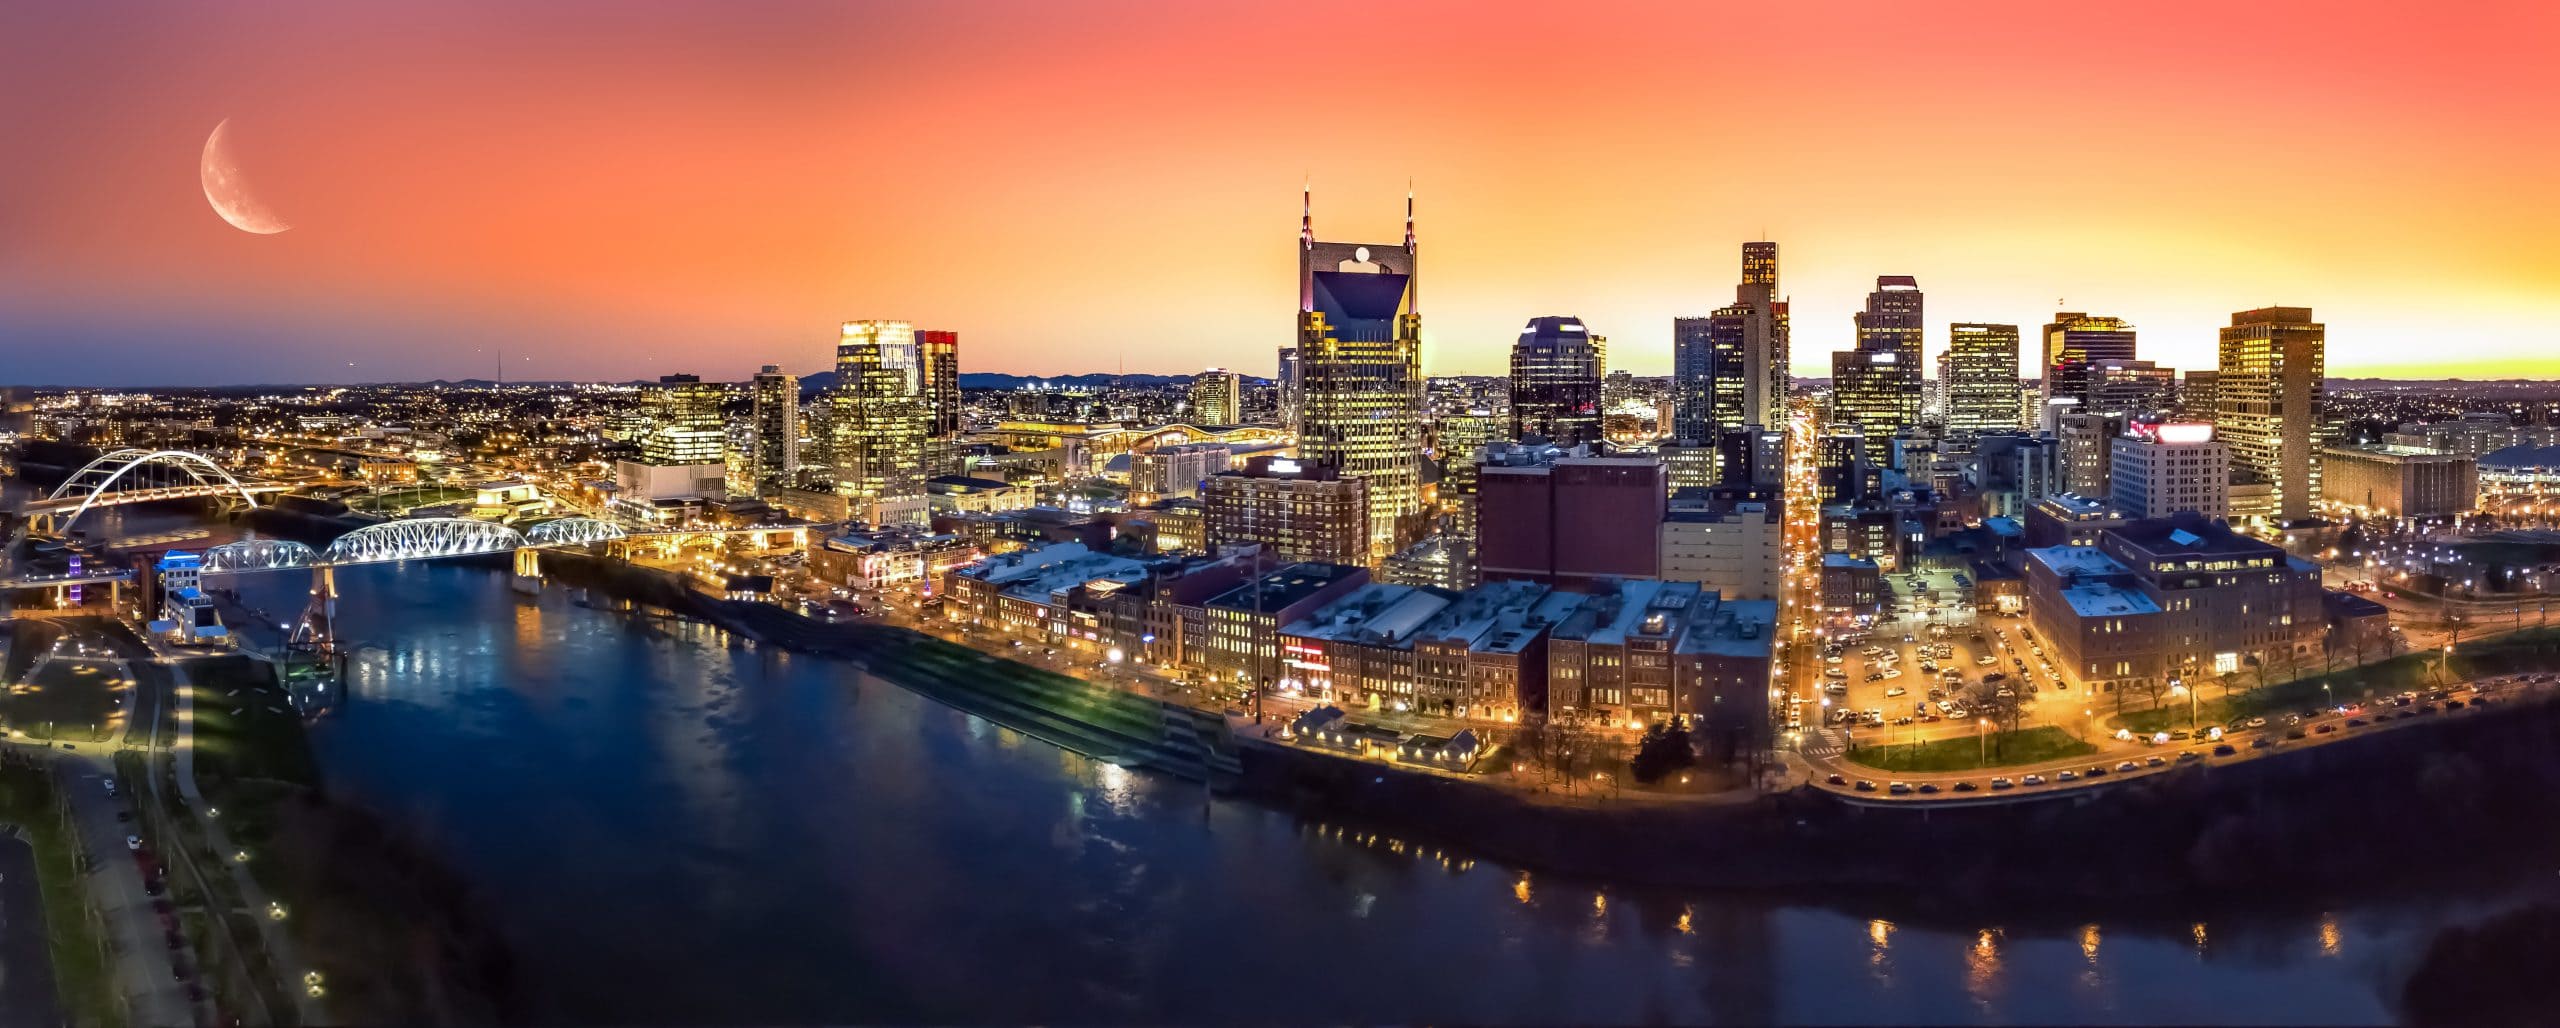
779, 839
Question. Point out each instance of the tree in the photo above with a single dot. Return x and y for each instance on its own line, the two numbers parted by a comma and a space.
1665, 748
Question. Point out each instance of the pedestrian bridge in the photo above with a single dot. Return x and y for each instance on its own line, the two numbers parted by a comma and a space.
411, 539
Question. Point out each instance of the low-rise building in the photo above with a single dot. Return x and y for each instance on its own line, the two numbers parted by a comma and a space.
887, 558
2399, 481
2175, 600
953, 493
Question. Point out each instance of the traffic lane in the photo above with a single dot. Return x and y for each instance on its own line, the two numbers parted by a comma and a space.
26, 962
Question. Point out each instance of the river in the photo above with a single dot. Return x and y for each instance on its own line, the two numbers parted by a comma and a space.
673, 825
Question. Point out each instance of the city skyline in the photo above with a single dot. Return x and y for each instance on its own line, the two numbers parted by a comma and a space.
460, 185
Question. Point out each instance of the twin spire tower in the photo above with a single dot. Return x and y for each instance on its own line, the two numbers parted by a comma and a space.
1353, 386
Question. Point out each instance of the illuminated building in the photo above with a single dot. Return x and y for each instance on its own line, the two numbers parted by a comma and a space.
2400, 482
1980, 376
775, 455
939, 353
878, 423
1876, 386
1217, 398
2072, 342
1555, 381
1174, 472
1730, 368
2181, 599
1285, 380
2131, 388
1303, 512
2269, 402
2155, 470
1360, 364
1730, 548
2196, 395
2087, 441
683, 446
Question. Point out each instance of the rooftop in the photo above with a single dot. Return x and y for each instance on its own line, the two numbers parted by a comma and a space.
2075, 561
1284, 586
2098, 599
1376, 613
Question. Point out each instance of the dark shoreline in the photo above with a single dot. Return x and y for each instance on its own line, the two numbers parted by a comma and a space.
2287, 833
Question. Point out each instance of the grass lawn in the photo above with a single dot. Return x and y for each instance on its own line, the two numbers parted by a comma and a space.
81, 974
67, 699
246, 727
2529, 650
2026, 746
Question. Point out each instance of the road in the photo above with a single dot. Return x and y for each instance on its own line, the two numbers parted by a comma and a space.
2356, 721
145, 970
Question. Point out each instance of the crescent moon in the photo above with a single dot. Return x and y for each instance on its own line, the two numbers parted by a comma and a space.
228, 191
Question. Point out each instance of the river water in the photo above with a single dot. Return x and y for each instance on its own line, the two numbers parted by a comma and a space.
672, 825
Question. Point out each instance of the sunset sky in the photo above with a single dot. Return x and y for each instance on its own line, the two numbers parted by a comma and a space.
626, 189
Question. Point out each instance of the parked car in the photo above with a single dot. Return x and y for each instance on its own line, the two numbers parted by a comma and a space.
2002, 783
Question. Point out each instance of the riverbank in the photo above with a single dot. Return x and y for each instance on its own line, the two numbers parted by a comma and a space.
2273, 832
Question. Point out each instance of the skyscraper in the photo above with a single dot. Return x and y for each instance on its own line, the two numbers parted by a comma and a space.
683, 448
1360, 365
2198, 398
776, 453
2130, 388
1981, 380
940, 353
2071, 342
1765, 335
2268, 398
1729, 369
1555, 381
1217, 397
1286, 382
878, 422
1877, 385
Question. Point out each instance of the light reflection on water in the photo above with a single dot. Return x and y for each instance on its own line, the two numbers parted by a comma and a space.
782, 839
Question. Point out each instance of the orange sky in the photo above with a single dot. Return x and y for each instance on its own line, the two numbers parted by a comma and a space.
627, 189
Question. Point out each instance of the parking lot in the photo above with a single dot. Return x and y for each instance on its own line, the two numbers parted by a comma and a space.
1925, 665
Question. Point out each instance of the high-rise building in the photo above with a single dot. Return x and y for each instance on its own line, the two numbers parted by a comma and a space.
1303, 512
1285, 379
1555, 381
1765, 337
1980, 371
683, 447
2131, 388
1877, 385
2268, 397
1360, 362
2156, 469
2087, 446
1217, 397
2196, 395
776, 453
1730, 368
878, 423
2072, 342
940, 353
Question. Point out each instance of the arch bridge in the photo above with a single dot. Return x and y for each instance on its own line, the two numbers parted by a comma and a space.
135, 475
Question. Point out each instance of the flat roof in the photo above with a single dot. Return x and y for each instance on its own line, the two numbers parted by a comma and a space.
2068, 561
1283, 587
2098, 599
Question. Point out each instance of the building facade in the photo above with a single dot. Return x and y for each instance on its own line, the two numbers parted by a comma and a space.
777, 427
1360, 362
2073, 341
1571, 521
1556, 367
2157, 469
2399, 482
1980, 376
878, 424
1303, 512
2269, 399
1217, 397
